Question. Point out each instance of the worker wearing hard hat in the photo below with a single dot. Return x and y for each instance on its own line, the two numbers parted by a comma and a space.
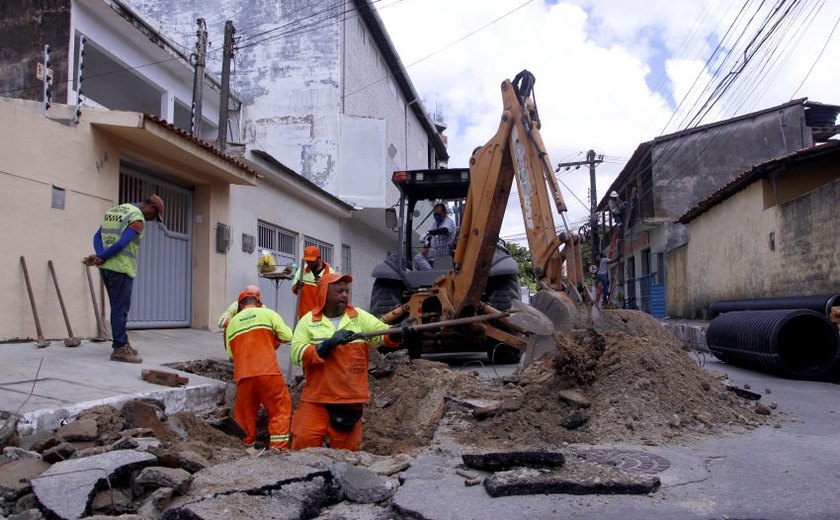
234, 307
616, 206
305, 284
251, 338
335, 367
117, 244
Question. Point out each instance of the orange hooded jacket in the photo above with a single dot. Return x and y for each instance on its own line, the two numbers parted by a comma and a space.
308, 297
343, 376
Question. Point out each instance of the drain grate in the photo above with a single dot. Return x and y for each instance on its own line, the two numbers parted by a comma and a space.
635, 461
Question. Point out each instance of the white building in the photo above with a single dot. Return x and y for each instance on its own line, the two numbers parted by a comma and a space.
326, 95
131, 138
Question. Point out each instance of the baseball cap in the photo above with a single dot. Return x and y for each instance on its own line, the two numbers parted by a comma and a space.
335, 277
311, 253
156, 202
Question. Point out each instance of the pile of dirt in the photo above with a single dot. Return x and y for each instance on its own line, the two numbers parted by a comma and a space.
406, 407
627, 379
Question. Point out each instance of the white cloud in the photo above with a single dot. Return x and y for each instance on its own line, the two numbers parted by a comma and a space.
590, 59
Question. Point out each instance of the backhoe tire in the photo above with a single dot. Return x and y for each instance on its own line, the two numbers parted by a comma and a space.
386, 295
501, 290
501, 354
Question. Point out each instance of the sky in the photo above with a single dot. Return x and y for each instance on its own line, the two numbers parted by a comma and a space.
610, 74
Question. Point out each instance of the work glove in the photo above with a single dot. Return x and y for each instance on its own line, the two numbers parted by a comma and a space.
325, 347
298, 286
409, 333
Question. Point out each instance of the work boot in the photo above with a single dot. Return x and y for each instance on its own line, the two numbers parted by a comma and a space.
133, 350
124, 354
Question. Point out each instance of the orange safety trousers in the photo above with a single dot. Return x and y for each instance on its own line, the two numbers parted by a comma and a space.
271, 392
311, 425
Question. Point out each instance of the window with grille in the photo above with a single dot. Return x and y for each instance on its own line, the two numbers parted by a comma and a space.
345, 259
276, 239
325, 248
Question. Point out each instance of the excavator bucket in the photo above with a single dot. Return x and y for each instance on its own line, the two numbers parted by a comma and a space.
530, 319
557, 306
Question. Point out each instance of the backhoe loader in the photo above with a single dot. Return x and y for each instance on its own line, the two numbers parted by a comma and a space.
481, 278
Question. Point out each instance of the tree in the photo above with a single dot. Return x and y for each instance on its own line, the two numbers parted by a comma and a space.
523, 258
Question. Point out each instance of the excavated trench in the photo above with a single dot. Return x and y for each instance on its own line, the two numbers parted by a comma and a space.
626, 379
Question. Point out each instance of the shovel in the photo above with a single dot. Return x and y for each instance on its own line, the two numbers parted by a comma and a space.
100, 327
40, 343
70, 340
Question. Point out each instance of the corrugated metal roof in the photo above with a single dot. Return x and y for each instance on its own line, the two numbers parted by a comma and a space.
755, 173
239, 163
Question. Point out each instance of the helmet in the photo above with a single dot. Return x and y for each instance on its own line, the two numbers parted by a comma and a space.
250, 290
614, 194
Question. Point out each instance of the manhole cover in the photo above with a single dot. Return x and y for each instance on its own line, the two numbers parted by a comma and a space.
635, 461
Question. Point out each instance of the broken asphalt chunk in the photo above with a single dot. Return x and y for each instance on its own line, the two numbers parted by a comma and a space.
592, 481
66, 488
512, 459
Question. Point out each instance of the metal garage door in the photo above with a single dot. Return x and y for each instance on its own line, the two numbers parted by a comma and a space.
163, 287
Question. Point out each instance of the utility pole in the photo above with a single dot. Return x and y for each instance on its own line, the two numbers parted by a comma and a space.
223, 104
198, 81
591, 161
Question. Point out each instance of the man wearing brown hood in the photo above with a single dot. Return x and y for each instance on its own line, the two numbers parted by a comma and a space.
335, 366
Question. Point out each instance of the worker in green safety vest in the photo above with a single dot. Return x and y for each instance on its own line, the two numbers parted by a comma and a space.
117, 244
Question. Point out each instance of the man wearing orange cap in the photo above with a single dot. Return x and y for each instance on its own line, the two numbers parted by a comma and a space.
251, 339
307, 283
234, 308
335, 366
117, 244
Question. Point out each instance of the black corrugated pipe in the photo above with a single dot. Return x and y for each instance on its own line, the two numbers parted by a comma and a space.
821, 303
795, 343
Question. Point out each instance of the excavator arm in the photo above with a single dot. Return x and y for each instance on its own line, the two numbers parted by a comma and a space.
516, 151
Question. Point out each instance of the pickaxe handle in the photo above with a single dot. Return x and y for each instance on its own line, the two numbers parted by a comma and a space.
433, 325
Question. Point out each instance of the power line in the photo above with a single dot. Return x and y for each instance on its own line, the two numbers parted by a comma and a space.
819, 56
459, 40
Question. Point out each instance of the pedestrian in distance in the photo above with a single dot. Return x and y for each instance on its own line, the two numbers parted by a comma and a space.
335, 367
305, 284
117, 244
252, 337
603, 276
234, 307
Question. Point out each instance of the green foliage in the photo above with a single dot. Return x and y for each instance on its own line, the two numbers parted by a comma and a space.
523, 257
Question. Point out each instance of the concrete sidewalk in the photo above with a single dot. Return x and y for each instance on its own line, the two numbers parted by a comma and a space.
73, 379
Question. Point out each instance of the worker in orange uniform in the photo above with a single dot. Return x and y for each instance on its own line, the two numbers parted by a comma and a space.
306, 284
335, 366
251, 339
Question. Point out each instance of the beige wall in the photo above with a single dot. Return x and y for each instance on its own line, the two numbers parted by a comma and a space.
40, 153
211, 202
728, 253
676, 299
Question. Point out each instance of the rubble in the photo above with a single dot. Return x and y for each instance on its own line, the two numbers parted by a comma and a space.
363, 485
581, 479
507, 460
66, 488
